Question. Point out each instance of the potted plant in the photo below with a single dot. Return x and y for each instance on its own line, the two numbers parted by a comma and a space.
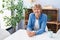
16, 14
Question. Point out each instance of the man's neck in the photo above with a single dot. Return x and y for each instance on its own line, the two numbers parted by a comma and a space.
37, 16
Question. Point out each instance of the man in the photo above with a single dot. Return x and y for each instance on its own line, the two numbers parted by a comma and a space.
37, 21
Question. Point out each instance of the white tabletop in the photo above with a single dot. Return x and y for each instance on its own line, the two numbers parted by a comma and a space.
22, 35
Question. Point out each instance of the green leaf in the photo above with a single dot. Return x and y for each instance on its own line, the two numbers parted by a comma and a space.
13, 20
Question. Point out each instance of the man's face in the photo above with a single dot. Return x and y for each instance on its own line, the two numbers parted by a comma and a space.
36, 10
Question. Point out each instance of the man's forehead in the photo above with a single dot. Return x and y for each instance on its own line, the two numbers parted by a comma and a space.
37, 6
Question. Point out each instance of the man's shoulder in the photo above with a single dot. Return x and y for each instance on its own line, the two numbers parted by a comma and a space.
31, 14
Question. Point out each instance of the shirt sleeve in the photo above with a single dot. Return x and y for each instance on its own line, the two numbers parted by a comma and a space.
29, 23
43, 26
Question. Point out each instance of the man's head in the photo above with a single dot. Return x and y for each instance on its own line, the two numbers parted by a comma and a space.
37, 9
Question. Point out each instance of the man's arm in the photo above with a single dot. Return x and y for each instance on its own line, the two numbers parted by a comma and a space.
29, 27
29, 23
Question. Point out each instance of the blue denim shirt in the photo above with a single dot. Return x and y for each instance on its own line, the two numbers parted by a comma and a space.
42, 23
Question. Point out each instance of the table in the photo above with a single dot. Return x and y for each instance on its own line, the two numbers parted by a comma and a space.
22, 35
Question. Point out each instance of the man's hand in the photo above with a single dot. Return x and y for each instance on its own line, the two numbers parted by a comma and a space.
30, 33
